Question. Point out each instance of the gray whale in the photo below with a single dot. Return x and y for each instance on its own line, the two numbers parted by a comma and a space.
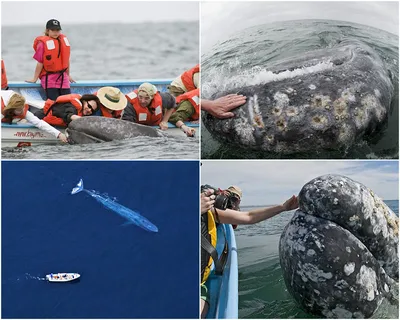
325, 99
339, 253
100, 129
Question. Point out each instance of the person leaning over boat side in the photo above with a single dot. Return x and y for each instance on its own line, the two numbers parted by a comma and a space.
187, 81
112, 102
210, 216
52, 53
70, 107
221, 108
4, 82
13, 106
188, 109
149, 107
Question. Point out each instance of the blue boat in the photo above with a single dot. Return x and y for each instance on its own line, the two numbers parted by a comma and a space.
223, 289
24, 134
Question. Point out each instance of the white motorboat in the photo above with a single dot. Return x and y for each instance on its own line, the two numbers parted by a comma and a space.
62, 277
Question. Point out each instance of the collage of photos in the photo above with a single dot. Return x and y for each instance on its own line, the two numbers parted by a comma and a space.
200, 159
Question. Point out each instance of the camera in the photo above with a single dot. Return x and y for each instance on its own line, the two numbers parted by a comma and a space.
222, 201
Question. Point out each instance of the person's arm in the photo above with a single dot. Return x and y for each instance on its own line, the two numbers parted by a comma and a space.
221, 108
185, 111
129, 113
65, 111
68, 73
38, 56
168, 104
254, 216
42, 125
38, 70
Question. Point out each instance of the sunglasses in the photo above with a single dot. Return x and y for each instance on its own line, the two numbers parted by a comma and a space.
91, 107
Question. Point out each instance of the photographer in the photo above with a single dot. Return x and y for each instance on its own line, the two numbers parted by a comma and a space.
218, 207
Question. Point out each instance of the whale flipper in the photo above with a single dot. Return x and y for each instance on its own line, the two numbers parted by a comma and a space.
78, 188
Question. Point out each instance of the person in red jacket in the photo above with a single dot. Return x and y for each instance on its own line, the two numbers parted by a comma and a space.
52, 53
4, 82
187, 81
188, 109
149, 107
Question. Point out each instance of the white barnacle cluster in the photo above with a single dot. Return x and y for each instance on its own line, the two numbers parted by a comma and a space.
255, 113
349, 268
373, 106
309, 271
366, 278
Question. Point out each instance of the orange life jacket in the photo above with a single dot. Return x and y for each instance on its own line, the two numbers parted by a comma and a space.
145, 116
56, 54
106, 112
4, 82
187, 77
8, 119
74, 99
194, 98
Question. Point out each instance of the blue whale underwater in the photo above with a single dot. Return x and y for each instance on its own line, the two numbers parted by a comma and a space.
130, 215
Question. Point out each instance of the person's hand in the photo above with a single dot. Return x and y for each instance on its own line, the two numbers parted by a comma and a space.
221, 108
207, 200
62, 137
190, 132
291, 204
75, 116
71, 80
31, 81
163, 125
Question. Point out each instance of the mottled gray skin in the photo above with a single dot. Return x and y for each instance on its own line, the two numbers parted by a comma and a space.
100, 129
339, 253
331, 109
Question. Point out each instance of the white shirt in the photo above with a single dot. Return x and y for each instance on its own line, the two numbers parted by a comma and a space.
30, 117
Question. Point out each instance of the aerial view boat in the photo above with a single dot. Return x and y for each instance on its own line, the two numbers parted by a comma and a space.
24, 134
62, 277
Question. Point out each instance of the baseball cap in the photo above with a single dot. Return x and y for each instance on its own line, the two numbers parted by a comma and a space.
53, 24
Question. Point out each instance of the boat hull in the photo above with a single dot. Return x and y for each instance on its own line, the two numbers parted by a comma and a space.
24, 134
62, 277
223, 289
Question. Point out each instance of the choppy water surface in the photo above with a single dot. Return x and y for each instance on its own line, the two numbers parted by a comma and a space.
244, 58
112, 51
262, 290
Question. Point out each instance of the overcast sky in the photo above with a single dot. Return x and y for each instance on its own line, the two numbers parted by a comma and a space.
74, 12
219, 20
272, 182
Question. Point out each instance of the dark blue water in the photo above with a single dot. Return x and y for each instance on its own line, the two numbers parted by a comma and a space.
126, 272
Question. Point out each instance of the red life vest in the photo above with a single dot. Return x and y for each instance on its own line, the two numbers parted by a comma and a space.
74, 99
145, 116
21, 116
194, 98
56, 53
187, 78
106, 112
4, 82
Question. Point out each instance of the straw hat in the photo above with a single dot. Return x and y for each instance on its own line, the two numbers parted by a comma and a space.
236, 190
112, 98
149, 88
12, 100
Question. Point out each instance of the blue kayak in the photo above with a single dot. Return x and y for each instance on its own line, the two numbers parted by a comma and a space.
223, 289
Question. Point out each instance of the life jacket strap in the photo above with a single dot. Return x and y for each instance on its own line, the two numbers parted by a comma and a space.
218, 263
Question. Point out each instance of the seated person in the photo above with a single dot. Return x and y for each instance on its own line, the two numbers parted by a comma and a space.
112, 102
187, 81
69, 107
149, 107
14, 106
188, 109
4, 82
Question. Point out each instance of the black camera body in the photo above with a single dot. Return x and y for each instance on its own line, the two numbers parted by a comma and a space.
222, 201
